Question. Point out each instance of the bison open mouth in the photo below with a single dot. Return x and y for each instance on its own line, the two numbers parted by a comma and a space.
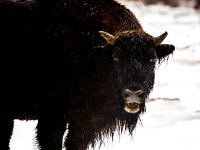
132, 107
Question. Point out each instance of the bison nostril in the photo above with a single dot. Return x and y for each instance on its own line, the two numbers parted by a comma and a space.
133, 99
129, 93
139, 93
126, 95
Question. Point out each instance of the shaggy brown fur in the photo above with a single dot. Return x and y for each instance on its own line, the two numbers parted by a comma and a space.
59, 69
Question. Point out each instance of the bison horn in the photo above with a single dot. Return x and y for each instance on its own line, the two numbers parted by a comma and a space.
108, 37
159, 39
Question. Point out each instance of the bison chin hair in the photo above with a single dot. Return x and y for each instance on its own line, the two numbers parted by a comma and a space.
128, 121
123, 122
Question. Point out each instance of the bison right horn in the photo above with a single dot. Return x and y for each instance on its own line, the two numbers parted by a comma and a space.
159, 39
108, 37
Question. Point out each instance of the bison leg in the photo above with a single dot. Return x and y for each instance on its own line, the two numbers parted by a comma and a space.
50, 130
78, 138
6, 128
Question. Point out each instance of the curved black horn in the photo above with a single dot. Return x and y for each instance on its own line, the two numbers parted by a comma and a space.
159, 39
108, 37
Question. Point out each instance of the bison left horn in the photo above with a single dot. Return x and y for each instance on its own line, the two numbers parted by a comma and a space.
108, 37
159, 39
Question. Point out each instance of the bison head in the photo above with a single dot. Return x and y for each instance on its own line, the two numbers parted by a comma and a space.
134, 55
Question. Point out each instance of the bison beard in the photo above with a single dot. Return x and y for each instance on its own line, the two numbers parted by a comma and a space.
88, 64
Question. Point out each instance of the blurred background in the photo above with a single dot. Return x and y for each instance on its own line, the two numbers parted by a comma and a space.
172, 119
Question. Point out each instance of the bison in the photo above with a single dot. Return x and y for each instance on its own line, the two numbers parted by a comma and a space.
83, 65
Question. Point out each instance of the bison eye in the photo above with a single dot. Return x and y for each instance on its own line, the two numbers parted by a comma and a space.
116, 59
153, 60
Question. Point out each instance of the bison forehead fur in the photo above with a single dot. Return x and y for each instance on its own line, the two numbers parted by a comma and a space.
88, 64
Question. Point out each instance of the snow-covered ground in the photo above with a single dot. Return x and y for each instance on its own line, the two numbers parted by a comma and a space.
172, 120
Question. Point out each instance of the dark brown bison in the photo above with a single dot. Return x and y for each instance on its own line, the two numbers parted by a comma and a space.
82, 63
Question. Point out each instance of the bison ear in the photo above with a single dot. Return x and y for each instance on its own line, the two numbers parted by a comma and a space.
108, 37
164, 50
159, 39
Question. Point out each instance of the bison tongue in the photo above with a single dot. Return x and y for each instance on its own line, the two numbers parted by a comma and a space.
132, 107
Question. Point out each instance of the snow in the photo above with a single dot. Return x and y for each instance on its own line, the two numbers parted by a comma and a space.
172, 120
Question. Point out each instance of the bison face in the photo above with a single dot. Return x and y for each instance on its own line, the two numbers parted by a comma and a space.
135, 54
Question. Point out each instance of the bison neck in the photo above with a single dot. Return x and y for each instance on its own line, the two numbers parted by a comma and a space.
92, 89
